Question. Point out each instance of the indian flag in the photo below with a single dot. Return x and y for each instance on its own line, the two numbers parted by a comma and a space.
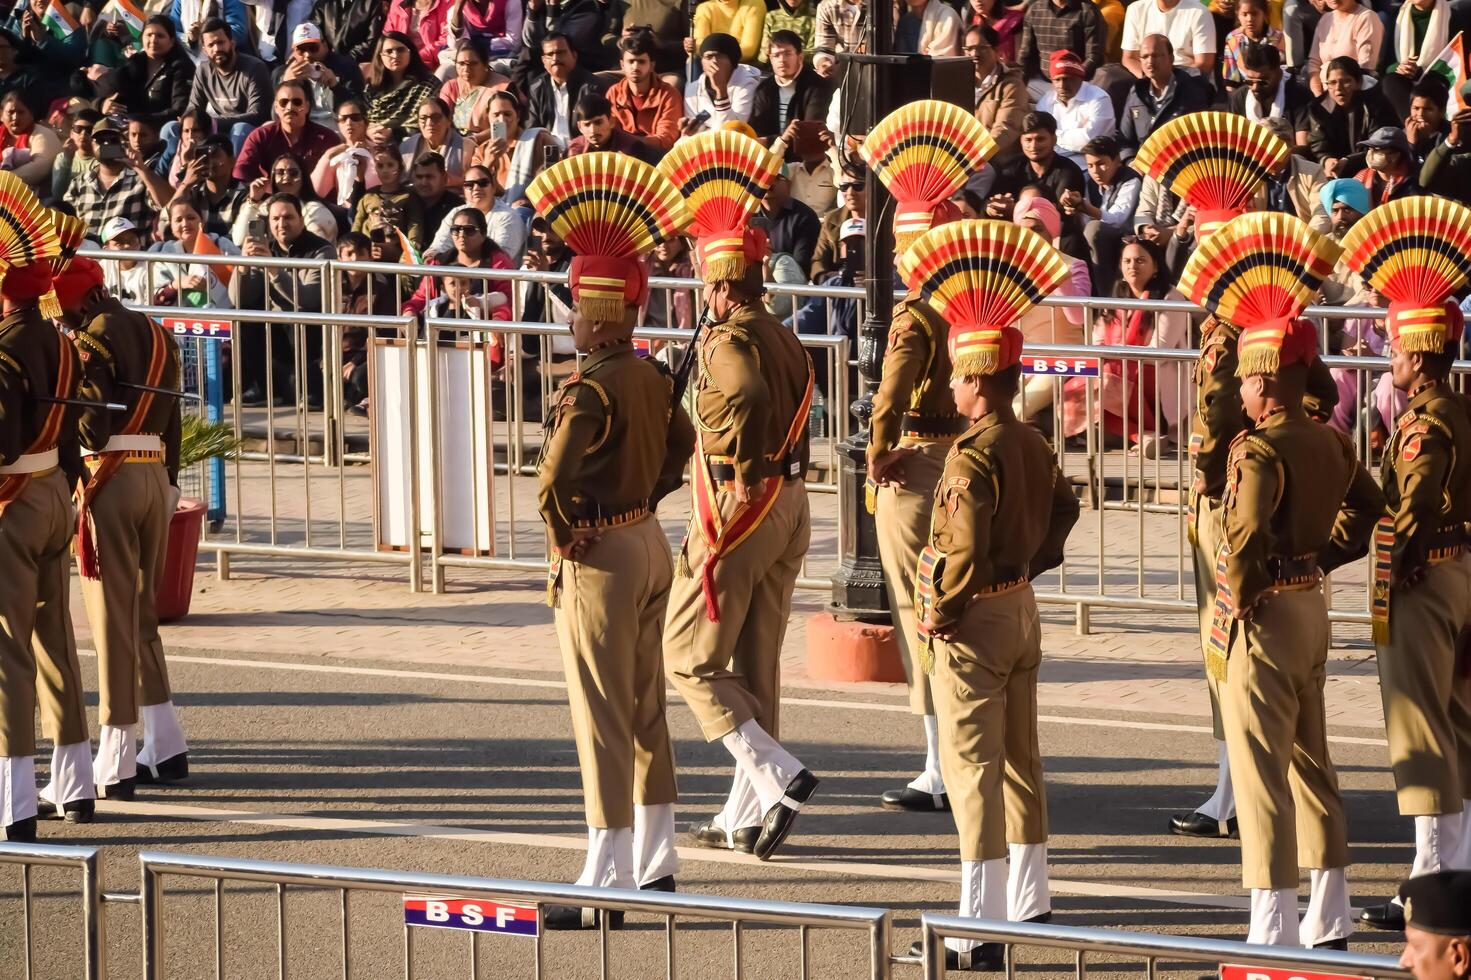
59, 21
204, 245
126, 13
412, 255
1450, 65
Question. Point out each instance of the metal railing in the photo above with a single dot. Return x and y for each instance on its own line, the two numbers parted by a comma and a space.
81, 859
1083, 944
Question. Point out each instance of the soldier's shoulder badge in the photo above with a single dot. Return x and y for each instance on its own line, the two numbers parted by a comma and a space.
1412, 447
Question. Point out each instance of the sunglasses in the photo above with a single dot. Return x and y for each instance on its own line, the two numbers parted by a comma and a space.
286, 173
290, 103
853, 186
477, 183
82, 128
463, 230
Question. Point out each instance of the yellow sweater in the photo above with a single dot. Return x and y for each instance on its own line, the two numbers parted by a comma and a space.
741, 19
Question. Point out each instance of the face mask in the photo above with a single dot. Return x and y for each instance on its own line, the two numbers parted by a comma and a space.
1376, 159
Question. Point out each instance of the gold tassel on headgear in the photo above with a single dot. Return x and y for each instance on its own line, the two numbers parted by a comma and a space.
723, 176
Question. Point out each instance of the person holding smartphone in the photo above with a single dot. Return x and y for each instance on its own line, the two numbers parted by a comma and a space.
120, 186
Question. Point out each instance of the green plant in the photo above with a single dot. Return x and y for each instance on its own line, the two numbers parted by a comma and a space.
200, 440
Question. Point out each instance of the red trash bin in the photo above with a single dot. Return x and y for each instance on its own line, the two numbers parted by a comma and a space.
175, 585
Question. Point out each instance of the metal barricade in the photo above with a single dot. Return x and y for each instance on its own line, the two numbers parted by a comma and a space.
82, 859
739, 913
1083, 943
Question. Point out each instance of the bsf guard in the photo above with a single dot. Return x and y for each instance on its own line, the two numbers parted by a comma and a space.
1001, 515
618, 443
914, 418
750, 527
1297, 504
39, 378
128, 498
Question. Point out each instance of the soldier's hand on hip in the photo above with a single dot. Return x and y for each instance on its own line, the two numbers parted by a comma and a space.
745, 493
940, 631
887, 469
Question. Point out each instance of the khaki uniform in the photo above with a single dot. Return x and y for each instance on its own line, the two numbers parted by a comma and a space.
1426, 476
1296, 501
1219, 419
38, 655
754, 380
128, 502
913, 407
614, 448
1002, 514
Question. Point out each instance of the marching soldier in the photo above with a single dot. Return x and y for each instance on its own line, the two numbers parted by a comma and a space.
39, 376
914, 418
1297, 504
750, 528
128, 497
617, 444
1001, 516
1415, 253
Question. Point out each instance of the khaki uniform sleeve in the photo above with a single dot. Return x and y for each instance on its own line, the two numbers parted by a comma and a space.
904, 364
1257, 479
965, 504
679, 446
1218, 404
99, 384
733, 370
1064, 515
1362, 507
579, 423
1321, 396
1422, 455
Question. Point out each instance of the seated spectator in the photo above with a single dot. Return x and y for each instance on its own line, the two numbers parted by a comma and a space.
1165, 92
360, 294
291, 289
552, 95
1166, 220
1059, 25
156, 81
1253, 27
827, 258
117, 187
1044, 324
472, 250
191, 18
1004, 20
1422, 29
424, 23
812, 179
181, 136
209, 178
1349, 30
1389, 167
1001, 91
840, 26
388, 206
144, 144
740, 20
1107, 208
644, 106
1345, 116
288, 177
397, 84
503, 223
470, 90
127, 279
329, 76
350, 27
1083, 111
1267, 92
346, 171
792, 93
1447, 168
1051, 173
292, 132
436, 135
232, 87
77, 152
195, 284
725, 90
1426, 125
670, 308
792, 226
928, 27
431, 188
819, 316
599, 131
495, 24
1129, 393
1295, 188
517, 157
461, 298
16, 76
798, 17
1346, 201
1188, 25
27, 148
60, 56
584, 23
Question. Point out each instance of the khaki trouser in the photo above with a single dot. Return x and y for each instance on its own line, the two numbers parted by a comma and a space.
610, 622
730, 672
130, 522
1287, 801
37, 650
902, 517
985, 687
1427, 697
1207, 542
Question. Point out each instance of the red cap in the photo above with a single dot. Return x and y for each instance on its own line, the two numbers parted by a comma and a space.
603, 285
26, 284
1414, 328
727, 255
1270, 346
1064, 62
983, 350
77, 281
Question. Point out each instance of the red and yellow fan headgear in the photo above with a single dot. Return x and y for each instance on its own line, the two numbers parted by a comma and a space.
1215, 161
610, 209
723, 175
28, 244
1417, 252
924, 152
1259, 273
70, 230
981, 276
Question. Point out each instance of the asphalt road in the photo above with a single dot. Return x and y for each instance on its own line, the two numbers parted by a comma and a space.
473, 772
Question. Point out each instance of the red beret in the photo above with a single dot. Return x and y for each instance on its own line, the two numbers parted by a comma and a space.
24, 284
77, 281
602, 285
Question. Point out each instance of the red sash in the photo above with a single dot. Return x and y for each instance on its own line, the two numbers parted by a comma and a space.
723, 536
12, 486
88, 563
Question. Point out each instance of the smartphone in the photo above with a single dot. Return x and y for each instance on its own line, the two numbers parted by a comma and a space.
378, 235
701, 119
256, 228
497, 130
853, 259
315, 71
550, 156
111, 151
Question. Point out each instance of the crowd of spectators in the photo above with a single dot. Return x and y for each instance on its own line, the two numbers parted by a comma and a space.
410, 129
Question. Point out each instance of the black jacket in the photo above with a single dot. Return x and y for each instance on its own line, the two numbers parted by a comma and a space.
541, 107
1142, 115
1337, 132
350, 27
585, 22
809, 101
794, 230
1297, 105
161, 93
1060, 176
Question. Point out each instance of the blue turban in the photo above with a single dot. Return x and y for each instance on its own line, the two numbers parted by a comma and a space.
1350, 192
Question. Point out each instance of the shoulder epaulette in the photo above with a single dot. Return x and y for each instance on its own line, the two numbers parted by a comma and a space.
581, 379
10, 362
1260, 445
91, 344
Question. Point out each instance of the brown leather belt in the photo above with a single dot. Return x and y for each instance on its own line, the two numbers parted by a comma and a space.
723, 471
931, 428
133, 457
1446, 542
596, 516
1298, 570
